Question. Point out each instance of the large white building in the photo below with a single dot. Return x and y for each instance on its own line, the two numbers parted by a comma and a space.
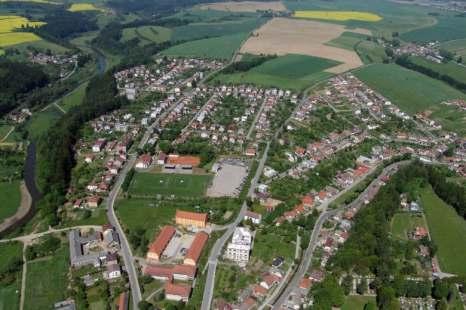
240, 246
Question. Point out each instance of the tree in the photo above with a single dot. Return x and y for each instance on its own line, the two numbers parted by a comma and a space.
370, 306
347, 284
441, 305
362, 286
328, 294
441, 289
385, 297
144, 305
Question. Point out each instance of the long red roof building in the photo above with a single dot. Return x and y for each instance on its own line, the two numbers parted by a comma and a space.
157, 247
195, 250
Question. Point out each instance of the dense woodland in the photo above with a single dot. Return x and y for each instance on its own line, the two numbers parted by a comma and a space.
18, 79
55, 151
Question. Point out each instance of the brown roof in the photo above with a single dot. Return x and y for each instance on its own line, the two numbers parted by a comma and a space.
177, 289
123, 301
305, 283
258, 290
158, 271
186, 270
162, 240
201, 217
196, 247
184, 160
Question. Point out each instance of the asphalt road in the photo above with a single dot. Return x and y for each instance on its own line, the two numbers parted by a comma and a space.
367, 194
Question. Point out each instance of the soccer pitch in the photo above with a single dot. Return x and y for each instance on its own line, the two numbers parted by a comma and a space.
179, 185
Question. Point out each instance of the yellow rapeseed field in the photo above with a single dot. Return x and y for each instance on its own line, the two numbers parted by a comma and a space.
8, 25
339, 15
76, 7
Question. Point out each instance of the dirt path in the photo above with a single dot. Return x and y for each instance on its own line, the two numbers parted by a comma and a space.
7, 134
23, 210
23, 279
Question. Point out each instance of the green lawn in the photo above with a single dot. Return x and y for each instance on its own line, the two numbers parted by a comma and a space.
357, 302
43, 120
413, 92
46, 280
147, 34
214, 48
11, 199
10, 294
448, 231
4, 129
179, 185
404, 223
271, 243
73, 99
230, 280
295, 72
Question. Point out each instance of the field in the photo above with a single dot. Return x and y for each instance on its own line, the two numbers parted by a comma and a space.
404, 223
370, 52
339, 15
449, 27
9, 295
356, 302
448, 231
412, 91
147, 34
8, 25
179, 185
347, 40
213, 48
451, 68
202, 30
456, 46
79, 7
73, 99
294, 72
41, 121
292, 36
46, 280
245, 6
11, 198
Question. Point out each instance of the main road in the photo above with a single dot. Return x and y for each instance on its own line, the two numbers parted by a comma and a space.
367, 195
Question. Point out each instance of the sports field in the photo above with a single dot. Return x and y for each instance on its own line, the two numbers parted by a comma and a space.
179, 185
147, 34
405, 223
212, 48
79, 7
294, 72
46, 280
338, 15
412, 91
9, 294
448, 231
11, 198
8, 34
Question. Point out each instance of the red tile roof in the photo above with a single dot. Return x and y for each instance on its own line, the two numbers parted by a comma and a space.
177, 289
123, 301
307, 200
158, 271
185, 270
258, 290
162, 240
202, 217
196, 247
305, 283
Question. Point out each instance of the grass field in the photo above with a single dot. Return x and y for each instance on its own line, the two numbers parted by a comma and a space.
11, 199
338, 15
8, 26
212, 48
448, 231
147, 34
179, 185
357, 302
46, 280
196, 31
295, 72
74, 99
79, 7
456, 46
449, 26
451, 68
370, 52
230, 280
41, 121
404, 223
347, 40
9, 294
411, 91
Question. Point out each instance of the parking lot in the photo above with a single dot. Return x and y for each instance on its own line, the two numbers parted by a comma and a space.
229, 178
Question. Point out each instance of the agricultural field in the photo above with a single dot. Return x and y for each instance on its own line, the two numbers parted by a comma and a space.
9, 294
457, 47
449, 26
294, 72
370, 52
357, 302
80, 7
245, 6
147, 34
347, 40
447, 230
11, 199
213, 48
42, 120
73, 99
201, 30
338, 15
395, 17
405, 223
47, 280
179, 185
451, 69
413, 92
283, 36
8, 35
